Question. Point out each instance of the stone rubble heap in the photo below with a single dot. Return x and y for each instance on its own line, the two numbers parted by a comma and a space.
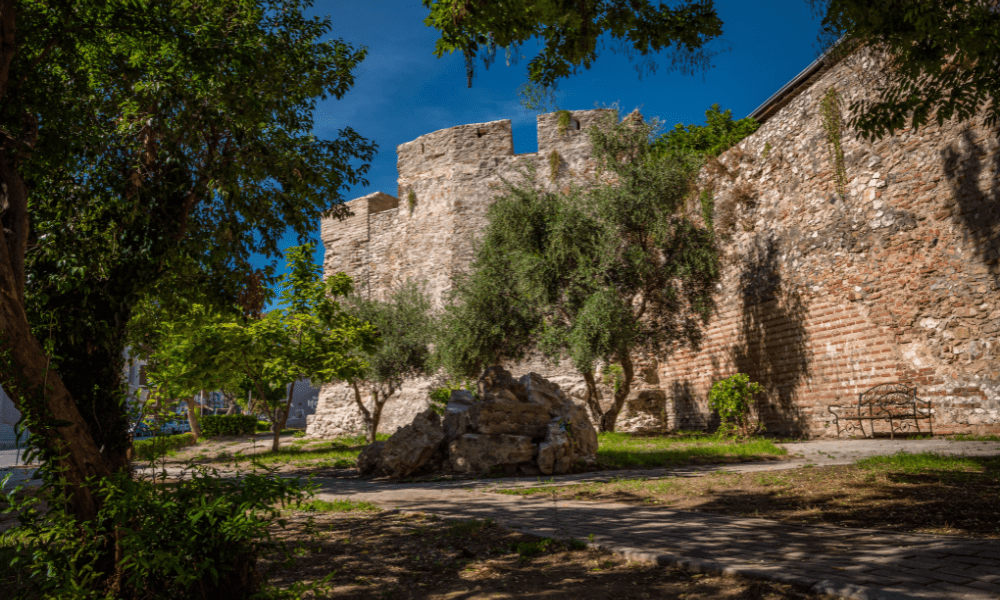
525, 425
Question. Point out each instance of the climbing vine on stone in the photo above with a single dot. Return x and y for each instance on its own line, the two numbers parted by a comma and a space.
564, 120
554, 160
707, 199
832, 126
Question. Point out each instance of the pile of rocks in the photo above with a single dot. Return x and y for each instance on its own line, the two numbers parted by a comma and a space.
525, 425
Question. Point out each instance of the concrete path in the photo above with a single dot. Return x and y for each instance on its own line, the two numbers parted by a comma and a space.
842, 562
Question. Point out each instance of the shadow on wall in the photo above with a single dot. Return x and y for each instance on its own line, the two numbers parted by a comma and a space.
979, 208
771, 347
689, 415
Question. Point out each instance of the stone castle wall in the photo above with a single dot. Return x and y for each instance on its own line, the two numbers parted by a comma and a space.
822, 296
426, 233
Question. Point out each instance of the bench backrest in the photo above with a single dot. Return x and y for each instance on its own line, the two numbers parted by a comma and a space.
888, 399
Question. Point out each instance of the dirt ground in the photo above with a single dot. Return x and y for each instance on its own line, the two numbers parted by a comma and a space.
392, 555
962, 502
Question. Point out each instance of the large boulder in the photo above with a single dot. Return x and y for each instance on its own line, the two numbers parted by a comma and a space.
478, 453
412, 446
456, 414
368, 460
581, 430
505, 415
527, 425
555, 453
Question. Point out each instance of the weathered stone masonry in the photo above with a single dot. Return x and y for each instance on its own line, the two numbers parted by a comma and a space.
826, 296
822, 296
426, 233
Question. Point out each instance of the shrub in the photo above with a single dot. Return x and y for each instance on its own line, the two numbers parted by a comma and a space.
441, 395
263, 426
200, 539
733, 399
216, 425
719, 133
158, 446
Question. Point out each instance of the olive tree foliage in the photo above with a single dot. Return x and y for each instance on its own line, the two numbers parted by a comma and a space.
309, 336
406, 328
926, 60
139, 135
595, 274
570, 34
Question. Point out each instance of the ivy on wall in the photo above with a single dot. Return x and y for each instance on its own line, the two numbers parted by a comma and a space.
563, 121
707, 199
411, 200
554, 161
832, 127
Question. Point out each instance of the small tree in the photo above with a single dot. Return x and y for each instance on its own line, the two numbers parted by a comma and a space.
594, 274
405, 327
308, 337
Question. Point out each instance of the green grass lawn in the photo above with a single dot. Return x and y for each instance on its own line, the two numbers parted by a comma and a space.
340, 453
622, 450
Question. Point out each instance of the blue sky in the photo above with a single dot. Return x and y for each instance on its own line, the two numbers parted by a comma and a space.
402, 91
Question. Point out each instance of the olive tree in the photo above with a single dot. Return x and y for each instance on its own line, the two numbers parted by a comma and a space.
594, 274
405, 328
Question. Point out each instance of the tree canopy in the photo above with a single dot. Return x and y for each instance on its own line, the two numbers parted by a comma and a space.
143, 137
308, 336
571, 32
931, 60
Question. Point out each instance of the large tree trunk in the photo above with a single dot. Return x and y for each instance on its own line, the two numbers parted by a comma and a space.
193, 410
281, 418
611, 416
40, 393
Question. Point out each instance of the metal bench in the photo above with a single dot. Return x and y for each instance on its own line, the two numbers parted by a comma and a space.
893, 403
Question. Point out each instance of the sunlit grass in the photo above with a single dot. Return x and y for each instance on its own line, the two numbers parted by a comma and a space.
338, 506
340, 453
918, 462
619, 450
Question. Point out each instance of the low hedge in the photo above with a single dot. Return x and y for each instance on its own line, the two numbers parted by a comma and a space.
160, 445
216, 425
263, 426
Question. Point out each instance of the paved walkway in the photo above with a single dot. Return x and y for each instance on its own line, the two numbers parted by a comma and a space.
850, 563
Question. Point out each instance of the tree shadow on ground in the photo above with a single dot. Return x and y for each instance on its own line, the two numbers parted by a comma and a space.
953, 501
415, 556
772, 341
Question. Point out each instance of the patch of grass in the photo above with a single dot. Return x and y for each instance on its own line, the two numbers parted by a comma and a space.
906, 462
534, 548
470, 528
162, 445
961, 437
340, 453
621, 450
339, 506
